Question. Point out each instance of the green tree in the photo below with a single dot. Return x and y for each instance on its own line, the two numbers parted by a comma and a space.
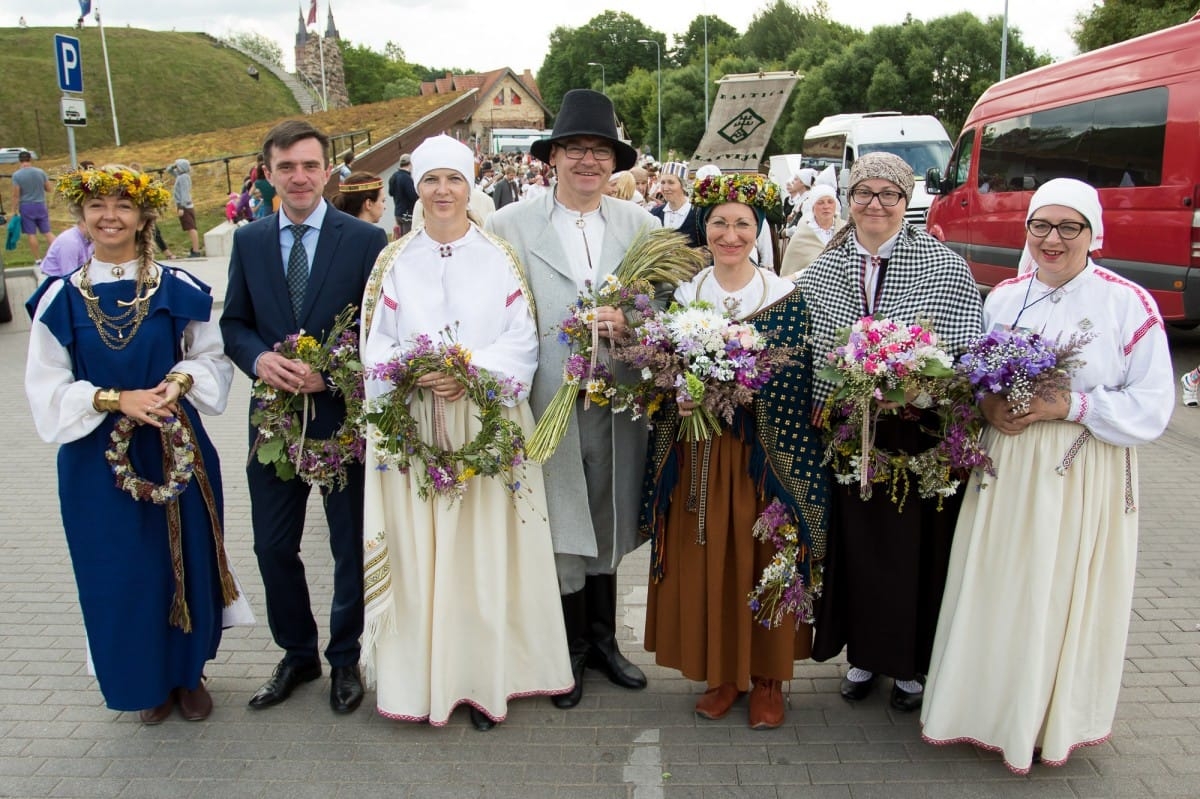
1112, 21
774, 31
689, 45
257, 44
939, 68
636, 102
368, 73
611, 39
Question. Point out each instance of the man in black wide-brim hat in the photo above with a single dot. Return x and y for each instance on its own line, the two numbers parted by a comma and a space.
566, 238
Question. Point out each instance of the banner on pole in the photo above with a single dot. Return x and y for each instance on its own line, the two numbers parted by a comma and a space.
312, 13
745, 112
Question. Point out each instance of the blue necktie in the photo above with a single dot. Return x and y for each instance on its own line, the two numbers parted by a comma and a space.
297, 270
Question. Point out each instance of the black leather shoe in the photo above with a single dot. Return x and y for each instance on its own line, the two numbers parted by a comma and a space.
571, 699
345, 689
285, 679
855, 691
480, 720
904, 701
604, 656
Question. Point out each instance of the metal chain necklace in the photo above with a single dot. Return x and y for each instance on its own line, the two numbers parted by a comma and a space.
123, 325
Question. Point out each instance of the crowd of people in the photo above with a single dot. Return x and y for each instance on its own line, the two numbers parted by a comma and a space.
443, 595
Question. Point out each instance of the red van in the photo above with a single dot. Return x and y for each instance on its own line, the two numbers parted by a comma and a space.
1125, 119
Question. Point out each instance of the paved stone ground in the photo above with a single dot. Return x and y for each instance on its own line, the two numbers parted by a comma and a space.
58, 740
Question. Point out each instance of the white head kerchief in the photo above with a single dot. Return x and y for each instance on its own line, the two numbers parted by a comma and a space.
442, 152
1073, 194
815, 193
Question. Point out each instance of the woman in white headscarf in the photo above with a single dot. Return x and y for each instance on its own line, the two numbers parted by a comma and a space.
457, 591
1030, 643
820, 219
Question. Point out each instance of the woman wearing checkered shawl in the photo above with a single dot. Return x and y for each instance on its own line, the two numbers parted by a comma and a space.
886, 565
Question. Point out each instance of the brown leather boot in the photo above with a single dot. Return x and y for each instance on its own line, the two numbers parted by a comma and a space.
716, 702
195, 705
157, 715
766, 704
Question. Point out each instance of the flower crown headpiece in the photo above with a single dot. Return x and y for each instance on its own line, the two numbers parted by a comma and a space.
366, 185
748, 189
145, 191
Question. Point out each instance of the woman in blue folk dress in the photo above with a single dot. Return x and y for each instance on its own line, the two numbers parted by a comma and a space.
122, 355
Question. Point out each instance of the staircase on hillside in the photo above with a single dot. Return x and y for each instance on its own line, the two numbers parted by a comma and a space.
308, 101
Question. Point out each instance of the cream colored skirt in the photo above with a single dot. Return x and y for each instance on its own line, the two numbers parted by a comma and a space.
462, 598
1030, 644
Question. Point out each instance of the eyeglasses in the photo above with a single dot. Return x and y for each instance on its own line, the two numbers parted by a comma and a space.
600, 152
1040, 228
887, 197
719, 226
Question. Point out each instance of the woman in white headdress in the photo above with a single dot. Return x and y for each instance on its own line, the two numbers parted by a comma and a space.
677, 211
1030, 644
820, 219
457, 591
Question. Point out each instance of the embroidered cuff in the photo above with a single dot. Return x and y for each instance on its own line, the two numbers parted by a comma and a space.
1079, 407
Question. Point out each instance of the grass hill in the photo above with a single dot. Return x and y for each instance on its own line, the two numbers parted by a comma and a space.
179, 95
165, 84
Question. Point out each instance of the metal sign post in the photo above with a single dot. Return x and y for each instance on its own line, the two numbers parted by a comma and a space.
70, 79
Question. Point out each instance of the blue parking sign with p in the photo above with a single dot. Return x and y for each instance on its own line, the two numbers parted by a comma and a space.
70, 64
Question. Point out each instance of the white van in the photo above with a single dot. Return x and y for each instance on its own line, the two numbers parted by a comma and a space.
919, 140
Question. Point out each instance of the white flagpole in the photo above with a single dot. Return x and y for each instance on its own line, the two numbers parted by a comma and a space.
321, 48
108, 74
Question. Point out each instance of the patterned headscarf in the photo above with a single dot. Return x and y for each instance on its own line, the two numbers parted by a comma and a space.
883, 166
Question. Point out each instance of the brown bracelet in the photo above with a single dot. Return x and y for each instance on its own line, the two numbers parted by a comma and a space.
107, 400
181, 379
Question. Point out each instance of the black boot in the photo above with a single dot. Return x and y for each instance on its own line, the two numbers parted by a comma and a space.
600, 591
575, 618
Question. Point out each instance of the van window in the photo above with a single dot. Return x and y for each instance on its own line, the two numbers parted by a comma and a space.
959, 167
827, 149
1111, 142
920, 155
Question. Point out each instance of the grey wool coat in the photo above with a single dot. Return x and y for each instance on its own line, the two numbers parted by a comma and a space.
527, 227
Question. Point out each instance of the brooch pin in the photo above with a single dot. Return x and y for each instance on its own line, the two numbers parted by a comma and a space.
1085, 324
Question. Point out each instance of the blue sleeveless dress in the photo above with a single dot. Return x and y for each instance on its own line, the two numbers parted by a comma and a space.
119, 546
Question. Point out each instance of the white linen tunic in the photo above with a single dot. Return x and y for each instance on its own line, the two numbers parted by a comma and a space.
1030, 643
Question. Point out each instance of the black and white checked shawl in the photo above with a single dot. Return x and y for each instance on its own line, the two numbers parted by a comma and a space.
924, 281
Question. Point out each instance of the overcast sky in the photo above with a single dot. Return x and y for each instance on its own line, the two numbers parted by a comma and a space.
485, 34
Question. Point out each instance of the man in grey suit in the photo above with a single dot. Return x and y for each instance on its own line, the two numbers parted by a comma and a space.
593, 482
296, 270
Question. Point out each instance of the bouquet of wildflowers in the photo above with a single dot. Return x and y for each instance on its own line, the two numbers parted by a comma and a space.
657, 256
1020, 366
878, 361
497, 450
697, 353
787, 584
282, 416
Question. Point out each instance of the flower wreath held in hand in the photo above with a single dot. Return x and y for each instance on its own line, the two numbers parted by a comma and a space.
497, 450
282, 416
176, 439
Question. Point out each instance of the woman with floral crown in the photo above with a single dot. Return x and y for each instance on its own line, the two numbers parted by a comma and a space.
122, 355
704, 500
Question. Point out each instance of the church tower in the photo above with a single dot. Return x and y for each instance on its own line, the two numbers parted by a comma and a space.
314, 50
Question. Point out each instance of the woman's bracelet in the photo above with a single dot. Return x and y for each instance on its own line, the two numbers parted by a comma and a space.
107, 400
181, 379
